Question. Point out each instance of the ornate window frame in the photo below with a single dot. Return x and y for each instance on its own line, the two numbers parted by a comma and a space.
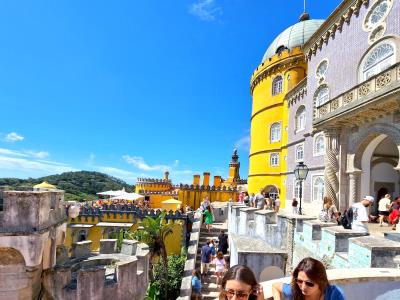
389, 60
367, 26
320, 178
316, 151
274, 159
300, 119
318, 100
321, 77
277, 85
297, 152
272, 137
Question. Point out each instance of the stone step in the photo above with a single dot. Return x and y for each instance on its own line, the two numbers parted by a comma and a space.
211, 296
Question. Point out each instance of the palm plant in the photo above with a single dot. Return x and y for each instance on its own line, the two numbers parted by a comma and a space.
154, 232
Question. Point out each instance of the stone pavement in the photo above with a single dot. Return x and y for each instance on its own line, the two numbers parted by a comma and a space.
210, 289
377, 231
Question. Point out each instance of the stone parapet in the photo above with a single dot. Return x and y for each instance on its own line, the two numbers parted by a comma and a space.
190, 264
81, 249
373, 252
108, 246
104, 276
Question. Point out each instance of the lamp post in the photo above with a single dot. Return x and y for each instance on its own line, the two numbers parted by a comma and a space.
300, 172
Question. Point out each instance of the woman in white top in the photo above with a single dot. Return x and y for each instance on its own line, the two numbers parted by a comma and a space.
220, 263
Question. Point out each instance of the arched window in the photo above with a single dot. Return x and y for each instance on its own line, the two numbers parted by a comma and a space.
318, 188
321, 95
319, 144
300, 152
274, 159
377, 60
275, 132
277, 85
301, 118
296, 186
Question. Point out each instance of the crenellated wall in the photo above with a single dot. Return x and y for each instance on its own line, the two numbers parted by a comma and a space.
122, 275
97, 224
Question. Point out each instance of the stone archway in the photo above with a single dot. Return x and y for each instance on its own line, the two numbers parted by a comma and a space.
271, 191
360, 153
368, 134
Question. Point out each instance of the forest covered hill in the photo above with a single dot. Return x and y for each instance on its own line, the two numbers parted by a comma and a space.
78, 186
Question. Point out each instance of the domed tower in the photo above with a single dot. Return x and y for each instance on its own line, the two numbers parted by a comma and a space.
282, 68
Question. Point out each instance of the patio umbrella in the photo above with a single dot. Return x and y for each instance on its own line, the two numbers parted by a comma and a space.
127, 196
112, 193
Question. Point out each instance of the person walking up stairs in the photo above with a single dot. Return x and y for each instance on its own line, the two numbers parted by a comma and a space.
210, 289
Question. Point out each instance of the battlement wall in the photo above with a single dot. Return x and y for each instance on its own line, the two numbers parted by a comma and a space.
126, 212
118, 275
31, 211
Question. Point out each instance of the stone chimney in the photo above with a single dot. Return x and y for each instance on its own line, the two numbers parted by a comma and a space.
196, 180
217, 181
206, 178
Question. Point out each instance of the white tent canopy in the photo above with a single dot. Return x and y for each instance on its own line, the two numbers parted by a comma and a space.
127, 196
112, 193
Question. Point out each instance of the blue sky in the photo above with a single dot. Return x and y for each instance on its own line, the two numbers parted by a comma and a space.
132, 87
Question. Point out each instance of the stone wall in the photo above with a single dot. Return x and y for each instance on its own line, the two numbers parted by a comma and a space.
105, 276
32, 225
257, 237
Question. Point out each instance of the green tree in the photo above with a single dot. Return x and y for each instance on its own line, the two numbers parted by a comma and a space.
154, 232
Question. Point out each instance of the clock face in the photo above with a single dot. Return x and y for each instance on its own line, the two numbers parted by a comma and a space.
377, 13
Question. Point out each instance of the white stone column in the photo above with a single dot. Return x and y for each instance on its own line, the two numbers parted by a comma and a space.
332, 164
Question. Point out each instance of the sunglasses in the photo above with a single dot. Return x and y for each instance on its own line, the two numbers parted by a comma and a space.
308, 283
239, 294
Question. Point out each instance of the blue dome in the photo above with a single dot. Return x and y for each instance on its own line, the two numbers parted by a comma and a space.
294, 36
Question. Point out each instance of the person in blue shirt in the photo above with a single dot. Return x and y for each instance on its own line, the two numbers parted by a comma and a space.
196, 285
309, 282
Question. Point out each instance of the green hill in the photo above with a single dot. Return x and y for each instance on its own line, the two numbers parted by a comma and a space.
78, 186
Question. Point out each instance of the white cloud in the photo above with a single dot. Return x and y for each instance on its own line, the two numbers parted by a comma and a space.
24, 153
13, 137
11, 152
139, 163
26, 165
205, 10
243, 143
39, 154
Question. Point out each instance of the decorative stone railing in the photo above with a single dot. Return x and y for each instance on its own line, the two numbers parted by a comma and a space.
361, 94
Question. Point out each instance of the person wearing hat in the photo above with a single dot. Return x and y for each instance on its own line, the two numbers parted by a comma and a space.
360, 214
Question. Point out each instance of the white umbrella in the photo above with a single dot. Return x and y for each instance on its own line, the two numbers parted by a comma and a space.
128, 196
112, 193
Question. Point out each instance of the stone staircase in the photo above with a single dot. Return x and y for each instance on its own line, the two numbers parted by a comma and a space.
210, 290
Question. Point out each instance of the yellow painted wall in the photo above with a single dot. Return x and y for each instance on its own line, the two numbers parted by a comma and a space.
266, 110
173, 242
194, 197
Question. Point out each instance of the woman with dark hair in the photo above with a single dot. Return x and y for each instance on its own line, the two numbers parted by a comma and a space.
309, 282
223, 242
240, 282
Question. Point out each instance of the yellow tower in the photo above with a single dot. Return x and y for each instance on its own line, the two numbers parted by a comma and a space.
282, 68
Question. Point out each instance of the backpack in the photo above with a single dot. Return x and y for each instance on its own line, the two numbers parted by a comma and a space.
323, 215
347, 218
